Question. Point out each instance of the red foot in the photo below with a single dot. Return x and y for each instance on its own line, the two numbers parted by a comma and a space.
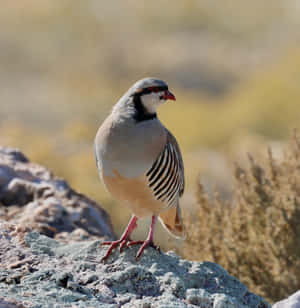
125, 240
128, 243
149, 240
146, 243
113, 245
131, 243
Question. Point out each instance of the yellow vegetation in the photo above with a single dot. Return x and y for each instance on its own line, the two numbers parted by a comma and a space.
256, 236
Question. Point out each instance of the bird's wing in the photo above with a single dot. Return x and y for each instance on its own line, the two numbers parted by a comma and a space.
173, 141
166, 176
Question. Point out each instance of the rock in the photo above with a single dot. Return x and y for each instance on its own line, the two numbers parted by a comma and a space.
43, 272
292, 301
31, 196
50, 254
10, 304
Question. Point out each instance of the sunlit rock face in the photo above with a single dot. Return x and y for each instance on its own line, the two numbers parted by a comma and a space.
32, 196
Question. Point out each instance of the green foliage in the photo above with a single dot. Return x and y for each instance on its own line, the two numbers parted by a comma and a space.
256, 236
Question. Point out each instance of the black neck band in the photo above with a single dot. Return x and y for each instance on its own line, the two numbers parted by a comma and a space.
141, 114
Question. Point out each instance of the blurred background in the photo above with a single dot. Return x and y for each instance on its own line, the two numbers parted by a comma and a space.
234, 67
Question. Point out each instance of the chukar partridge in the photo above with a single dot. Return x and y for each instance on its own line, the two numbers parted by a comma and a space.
140, 163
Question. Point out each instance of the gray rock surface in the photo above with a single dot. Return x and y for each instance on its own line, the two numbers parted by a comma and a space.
31, 196
292, 301
38, 271
50, 254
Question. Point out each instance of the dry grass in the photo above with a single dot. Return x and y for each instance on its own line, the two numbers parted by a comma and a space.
256, 237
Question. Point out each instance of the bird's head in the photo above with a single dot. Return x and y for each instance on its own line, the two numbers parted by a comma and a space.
150, 93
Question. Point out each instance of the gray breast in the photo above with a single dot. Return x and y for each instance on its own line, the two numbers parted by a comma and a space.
129, 148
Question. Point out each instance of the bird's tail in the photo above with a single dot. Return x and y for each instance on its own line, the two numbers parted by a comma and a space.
172, 221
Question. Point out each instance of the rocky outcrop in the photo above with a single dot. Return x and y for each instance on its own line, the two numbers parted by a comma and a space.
31, 196
50, 254
292, 301
38, 271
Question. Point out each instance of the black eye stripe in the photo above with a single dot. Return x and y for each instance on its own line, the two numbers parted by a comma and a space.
150, 90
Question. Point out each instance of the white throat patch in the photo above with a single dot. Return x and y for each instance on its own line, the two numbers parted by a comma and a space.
152, 101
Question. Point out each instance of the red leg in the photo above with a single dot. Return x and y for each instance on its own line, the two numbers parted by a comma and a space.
123, 240
149, 240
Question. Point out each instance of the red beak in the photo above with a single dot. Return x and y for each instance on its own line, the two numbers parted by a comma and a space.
169, 95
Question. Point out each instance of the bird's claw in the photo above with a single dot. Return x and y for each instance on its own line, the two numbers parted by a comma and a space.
113, 245
131, 243
128, 243
145, 244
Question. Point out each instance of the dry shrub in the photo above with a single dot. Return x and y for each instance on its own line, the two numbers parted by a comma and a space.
256, 237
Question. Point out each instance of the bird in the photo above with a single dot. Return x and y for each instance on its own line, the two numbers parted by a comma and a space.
140, 162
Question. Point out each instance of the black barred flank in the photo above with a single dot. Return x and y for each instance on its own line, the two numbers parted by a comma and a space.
165, 189
170, 188
175, 192
168, 184
173, 187
153, 167
165, 177
173, 184
162, 169
174, 173
158, 188
156, 170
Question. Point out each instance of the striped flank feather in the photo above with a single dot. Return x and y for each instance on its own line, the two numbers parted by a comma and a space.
166, 176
